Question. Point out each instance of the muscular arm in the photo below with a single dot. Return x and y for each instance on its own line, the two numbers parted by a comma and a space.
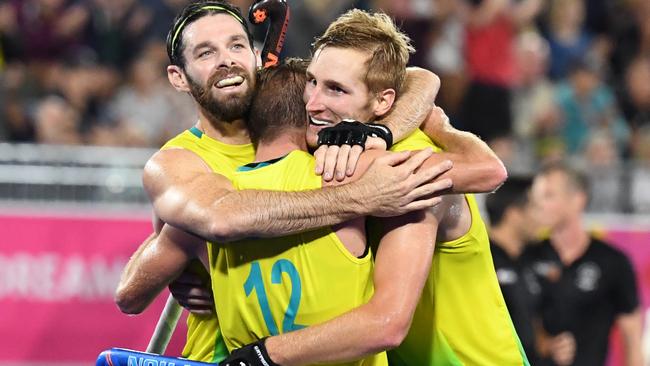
156, 263
476, 166
187, 195
416, 98
401, 268
631, 326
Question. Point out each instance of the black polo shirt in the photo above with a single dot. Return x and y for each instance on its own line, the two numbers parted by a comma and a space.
521, 291
585, 297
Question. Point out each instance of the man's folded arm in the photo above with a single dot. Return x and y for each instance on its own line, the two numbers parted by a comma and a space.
188, 195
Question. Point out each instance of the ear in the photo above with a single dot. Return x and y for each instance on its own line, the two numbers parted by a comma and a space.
384, 102
177, 78
582, 201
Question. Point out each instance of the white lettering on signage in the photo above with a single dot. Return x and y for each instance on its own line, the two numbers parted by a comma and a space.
54, 277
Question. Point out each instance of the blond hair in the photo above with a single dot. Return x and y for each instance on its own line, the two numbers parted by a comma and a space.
375, 33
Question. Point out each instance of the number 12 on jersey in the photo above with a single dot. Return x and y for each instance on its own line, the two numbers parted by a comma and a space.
255, 283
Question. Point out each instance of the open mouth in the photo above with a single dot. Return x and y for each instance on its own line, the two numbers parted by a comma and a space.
231, 81
319, 123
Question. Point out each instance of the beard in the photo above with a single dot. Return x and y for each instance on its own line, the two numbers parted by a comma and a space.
224, 108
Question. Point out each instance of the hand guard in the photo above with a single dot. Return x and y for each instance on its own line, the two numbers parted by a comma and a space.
253, 354
354, 133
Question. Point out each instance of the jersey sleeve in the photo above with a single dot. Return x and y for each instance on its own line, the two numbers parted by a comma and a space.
625, 295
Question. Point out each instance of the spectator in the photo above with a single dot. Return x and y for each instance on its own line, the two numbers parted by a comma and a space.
57, 122
636, 99
630, 36
490, 33
46, 30
117, 30
512, 226
445, 56
587, 106
535, 114
567, 36
587, 285
146, 109
604, 169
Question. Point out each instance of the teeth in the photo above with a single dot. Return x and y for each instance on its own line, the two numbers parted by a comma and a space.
235, 80
319, 122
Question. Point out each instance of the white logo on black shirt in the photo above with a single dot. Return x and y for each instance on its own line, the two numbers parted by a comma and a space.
587, 276
507, 276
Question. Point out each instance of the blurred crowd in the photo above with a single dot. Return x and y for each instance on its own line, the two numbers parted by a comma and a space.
539, 80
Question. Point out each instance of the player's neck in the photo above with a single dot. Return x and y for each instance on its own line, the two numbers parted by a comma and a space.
280, 146
570, 240
232, 133
507, 238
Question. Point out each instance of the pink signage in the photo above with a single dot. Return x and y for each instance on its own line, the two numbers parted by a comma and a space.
636, 244
57, 280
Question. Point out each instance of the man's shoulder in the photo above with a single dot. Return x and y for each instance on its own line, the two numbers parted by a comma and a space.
417, 140
600, 248
181, 140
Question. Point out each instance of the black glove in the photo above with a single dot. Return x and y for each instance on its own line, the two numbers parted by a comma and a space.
354, 133
253, 354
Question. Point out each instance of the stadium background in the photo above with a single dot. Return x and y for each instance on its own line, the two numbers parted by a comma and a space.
84, 102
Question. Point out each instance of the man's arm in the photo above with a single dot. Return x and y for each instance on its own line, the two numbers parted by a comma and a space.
476, 166
156, 263
188, 195
631, 328
416, 98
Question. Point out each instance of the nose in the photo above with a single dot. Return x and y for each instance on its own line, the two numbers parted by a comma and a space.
226, 60
313, 102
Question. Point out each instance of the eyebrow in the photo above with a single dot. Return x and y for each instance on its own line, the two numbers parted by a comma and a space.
209, 44
327, 82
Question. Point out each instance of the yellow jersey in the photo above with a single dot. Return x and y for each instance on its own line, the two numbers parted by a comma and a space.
269, 286
204, 342
461, 318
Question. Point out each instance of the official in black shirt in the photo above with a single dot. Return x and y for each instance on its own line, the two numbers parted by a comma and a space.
587, 296
511, 226
587, 285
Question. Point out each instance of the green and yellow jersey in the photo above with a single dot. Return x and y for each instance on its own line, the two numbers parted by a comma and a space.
204, 342
269, 286
461, 318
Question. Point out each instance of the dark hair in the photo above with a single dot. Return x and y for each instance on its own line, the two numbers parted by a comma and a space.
192, 12
513, 193
277, 103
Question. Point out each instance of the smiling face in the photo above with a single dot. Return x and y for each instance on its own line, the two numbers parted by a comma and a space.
336, 90
219, 68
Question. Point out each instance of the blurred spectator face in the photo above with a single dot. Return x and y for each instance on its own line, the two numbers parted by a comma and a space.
567, 13
601, 150
144, 74
57, 122
532, 57
50, 5
219, 68
555, 199
584, 81
336, 89
638, 82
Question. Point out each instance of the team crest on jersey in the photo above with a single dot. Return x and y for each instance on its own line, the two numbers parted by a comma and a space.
587, 276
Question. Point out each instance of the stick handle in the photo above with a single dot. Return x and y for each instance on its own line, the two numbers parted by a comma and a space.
165, 327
